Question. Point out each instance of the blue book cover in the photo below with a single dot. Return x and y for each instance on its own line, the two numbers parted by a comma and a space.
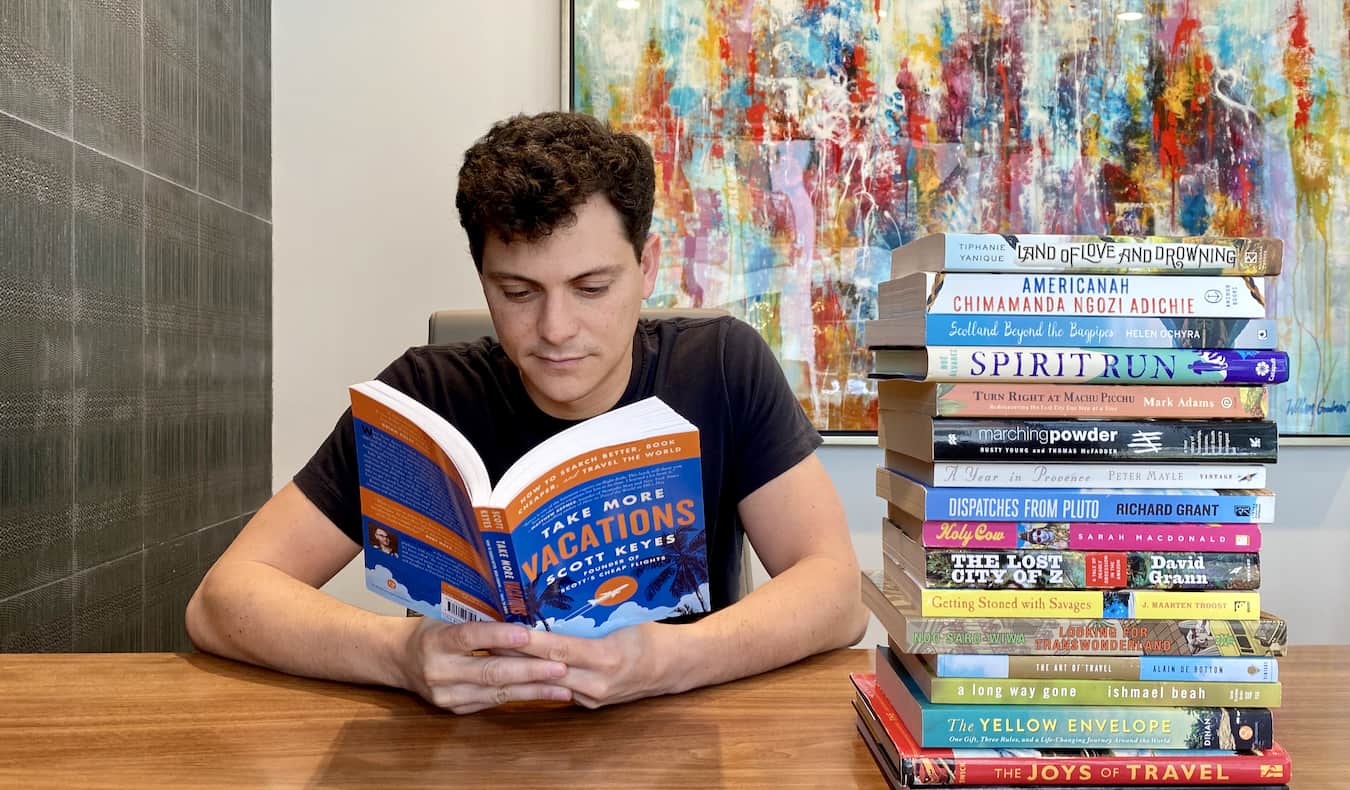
1066, 726
1097, 331
1106, 505
599, 527
1177, 668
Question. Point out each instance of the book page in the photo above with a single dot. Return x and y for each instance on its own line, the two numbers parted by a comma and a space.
422, 548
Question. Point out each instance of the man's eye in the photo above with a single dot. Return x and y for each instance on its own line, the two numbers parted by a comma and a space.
515, 294
593, 290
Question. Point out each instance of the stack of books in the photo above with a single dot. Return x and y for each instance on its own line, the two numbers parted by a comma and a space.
1075, 433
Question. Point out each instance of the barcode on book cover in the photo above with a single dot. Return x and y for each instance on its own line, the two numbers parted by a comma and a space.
463, 614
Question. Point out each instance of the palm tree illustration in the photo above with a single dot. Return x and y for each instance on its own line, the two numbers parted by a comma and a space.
551, 595
686, 566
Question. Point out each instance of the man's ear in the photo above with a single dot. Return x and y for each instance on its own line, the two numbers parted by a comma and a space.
651, 261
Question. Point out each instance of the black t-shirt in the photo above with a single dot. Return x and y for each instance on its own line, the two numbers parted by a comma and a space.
716, 372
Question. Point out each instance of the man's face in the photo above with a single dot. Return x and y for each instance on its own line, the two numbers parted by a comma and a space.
565, 307
381, 538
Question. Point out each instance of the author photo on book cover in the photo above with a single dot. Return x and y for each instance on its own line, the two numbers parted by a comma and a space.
385, 540
557, 208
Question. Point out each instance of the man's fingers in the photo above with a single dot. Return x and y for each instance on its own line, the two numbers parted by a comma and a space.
558, 647
508, 670
468, 637
489, 671
468, 698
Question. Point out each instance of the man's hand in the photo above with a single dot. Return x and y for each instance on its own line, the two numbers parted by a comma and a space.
628, 664
439, 664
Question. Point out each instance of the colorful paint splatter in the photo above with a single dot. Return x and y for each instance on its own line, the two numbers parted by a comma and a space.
798, 141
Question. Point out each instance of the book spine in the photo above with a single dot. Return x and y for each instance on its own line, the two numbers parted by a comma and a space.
1095, 604
1139, 296
974, 475
1060, 504
1105, 401
1089, 727
1044, 441
1126, 693
1176, 668
1093, 332
1113, 537
1040, 569
983, 726
988, 252
501, 559
942, 768
1104, 365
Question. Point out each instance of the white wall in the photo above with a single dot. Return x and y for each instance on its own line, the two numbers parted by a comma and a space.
374, 105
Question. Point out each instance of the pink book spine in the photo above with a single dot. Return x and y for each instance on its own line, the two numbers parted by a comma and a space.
1110, 537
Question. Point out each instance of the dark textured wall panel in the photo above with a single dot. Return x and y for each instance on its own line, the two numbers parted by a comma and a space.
256, 91
170, 89
220, 395
109, 391
36, 514
173, 329
36, 357
171, 574
35, 61
218, 90
256, 279
108, 607
106, 38
38, 621
135, 310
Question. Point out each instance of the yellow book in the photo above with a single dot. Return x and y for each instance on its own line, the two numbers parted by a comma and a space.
1092, 604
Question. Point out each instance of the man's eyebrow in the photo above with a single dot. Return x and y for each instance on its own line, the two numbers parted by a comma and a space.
600, 271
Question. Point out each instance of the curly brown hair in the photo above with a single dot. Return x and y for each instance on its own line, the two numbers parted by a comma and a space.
527, 175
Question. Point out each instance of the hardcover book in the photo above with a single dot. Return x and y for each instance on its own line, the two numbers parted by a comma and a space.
1132, 441
1244, 538
1219, 670
1138, 296
937, 767
1018, 726
1074, 691
1082, 365
597, 527
1052, 253
944, 474
943, 329
1050, 401
1080, 604
1042, 569
1056, 636
1123, 505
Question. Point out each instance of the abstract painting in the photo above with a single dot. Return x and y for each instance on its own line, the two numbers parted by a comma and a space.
798, 141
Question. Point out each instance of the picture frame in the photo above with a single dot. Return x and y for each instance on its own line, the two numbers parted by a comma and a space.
1259, 33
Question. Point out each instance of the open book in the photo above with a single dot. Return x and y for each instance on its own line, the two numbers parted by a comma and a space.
598, 527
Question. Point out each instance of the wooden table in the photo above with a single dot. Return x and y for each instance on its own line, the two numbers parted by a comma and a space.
167, 720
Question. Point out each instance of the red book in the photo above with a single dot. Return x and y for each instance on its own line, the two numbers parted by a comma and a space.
1029, 767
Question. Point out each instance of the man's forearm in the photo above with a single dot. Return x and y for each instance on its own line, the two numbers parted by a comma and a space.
809, 608
253, 612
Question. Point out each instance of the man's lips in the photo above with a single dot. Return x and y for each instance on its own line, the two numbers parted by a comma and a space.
559, 360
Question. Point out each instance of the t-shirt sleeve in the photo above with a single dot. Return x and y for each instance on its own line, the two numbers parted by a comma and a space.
771, 433
330, 479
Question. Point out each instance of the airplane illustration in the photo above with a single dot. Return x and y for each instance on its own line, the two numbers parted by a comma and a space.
599, 600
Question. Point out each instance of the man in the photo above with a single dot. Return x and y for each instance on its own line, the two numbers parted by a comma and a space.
557, 209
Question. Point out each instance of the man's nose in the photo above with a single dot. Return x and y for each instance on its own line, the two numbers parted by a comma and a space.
557, 320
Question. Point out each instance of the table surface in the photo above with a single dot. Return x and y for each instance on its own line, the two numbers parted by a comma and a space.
170, 720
